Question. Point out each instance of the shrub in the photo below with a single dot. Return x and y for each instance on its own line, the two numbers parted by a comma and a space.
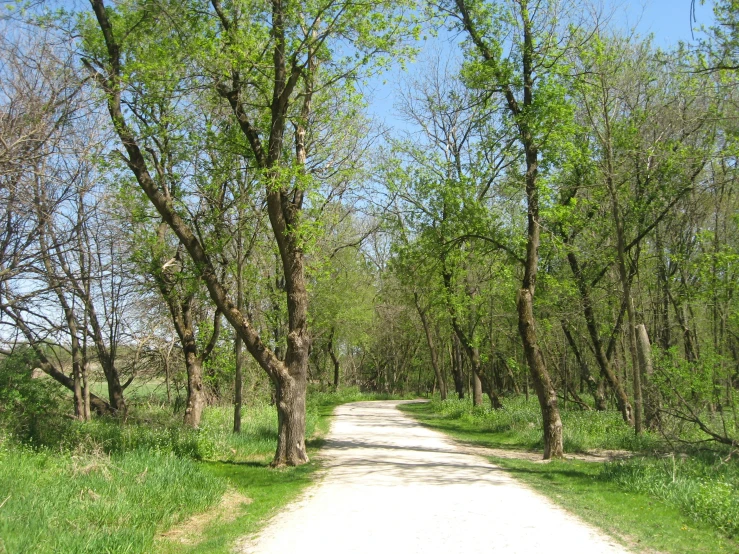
27, 405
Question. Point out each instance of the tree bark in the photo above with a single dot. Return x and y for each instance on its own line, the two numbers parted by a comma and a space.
593, 386
334, 358
456, 358
601, 356
290, 401
238, 383
432, 348
545, 392
651, 404
195, 394
238, 343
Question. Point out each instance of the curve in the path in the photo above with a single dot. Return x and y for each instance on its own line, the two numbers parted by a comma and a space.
393, 486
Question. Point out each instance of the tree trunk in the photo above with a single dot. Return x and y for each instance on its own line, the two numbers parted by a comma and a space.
238, 343
456, 357
663, 297
553, 447
86, 388
290, 400
476, 390
601, 356
167, 377
337, 368
195, 393
593, 386
432, 348
238, 384
291, 379
115, 390
651, 404
334, 358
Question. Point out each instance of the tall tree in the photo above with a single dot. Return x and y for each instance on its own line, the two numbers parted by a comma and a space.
267, 62
529, 80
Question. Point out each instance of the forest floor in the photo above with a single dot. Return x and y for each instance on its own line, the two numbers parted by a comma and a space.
392, 485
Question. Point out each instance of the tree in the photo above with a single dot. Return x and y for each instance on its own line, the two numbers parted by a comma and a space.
529, 80
264, 99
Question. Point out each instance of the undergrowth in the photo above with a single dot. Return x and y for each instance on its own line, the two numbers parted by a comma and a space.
519, 424
704, 485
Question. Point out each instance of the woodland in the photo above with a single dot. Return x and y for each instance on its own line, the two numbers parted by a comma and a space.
207, 240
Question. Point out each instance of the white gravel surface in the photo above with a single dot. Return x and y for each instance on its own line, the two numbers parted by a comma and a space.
394, 486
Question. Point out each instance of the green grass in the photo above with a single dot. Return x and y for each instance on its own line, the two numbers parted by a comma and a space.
64, 502
688, 503
704, 485
518, 425
109, 487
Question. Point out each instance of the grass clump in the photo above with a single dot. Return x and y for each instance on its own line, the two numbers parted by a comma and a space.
92, 502
704, 485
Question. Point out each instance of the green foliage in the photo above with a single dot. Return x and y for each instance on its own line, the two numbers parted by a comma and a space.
691, 399
26, 404
720, 48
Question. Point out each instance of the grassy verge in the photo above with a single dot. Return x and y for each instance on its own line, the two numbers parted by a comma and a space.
682, 504
90, 502
110, 487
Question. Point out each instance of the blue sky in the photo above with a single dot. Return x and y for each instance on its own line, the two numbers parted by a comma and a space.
668, 20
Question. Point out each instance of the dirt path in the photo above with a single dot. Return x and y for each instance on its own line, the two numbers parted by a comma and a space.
392, 486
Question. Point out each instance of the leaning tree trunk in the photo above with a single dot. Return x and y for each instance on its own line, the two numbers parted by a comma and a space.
545, 391
595, 387
601, 356
432, 348
525, 302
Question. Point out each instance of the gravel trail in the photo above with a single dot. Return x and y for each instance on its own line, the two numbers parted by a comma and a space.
392, 486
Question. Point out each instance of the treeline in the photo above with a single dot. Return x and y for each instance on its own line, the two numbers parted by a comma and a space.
193, 196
